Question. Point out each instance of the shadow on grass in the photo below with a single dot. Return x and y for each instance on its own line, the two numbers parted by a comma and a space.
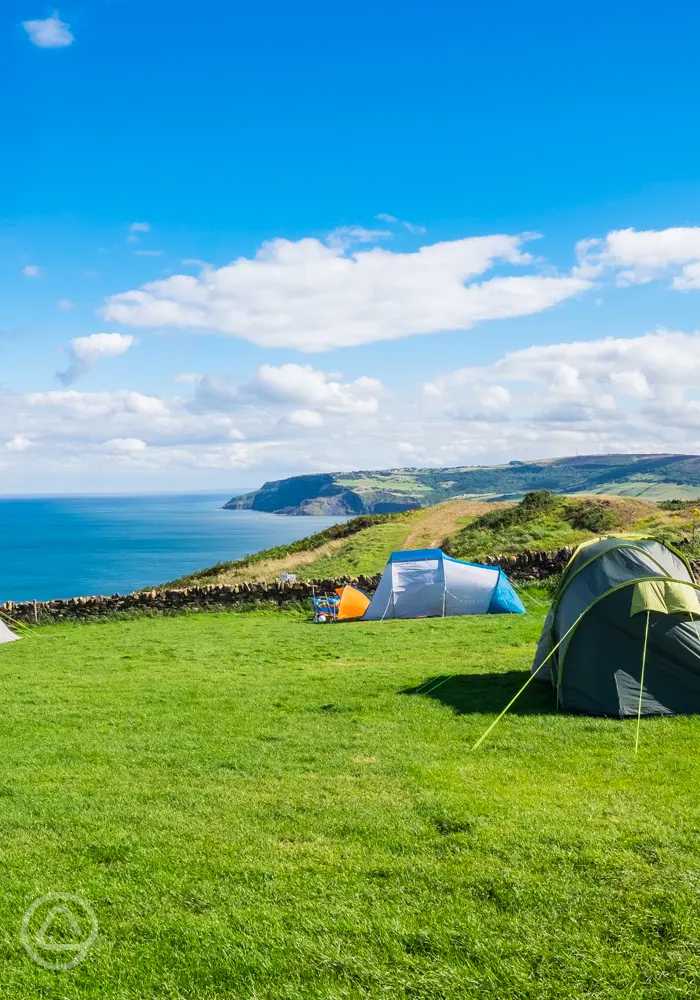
485, 693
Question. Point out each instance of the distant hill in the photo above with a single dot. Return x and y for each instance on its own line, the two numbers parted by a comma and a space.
652, 477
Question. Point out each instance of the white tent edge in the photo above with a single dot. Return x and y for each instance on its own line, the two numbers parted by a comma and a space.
6, 634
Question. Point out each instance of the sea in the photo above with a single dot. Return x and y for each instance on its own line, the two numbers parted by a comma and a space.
53, 547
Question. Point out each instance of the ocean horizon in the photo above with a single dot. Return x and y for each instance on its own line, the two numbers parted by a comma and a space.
58, 546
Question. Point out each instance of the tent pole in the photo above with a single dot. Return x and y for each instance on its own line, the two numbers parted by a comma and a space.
641, 683
391, 597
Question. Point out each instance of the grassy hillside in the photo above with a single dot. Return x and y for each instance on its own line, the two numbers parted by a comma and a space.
358, 547
467, 529
268, 563
258, 807
547, 521
652, 476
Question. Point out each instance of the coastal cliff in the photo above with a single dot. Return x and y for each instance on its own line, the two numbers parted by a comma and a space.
652, 477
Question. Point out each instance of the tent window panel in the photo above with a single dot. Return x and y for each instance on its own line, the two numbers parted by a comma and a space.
416, 575
419, 589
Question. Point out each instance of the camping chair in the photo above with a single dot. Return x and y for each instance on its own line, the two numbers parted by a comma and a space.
325, 607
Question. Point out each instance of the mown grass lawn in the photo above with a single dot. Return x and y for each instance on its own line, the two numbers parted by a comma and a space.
257, 807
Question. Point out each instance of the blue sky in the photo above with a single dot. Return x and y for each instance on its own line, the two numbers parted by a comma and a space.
363, 167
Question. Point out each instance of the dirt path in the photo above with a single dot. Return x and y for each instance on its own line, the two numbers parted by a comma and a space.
430, 527
270, 569
436, 523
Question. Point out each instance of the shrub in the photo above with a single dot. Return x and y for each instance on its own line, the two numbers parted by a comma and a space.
596, 517
531, 506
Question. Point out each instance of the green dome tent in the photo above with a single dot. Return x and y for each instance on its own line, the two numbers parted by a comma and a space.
623, 635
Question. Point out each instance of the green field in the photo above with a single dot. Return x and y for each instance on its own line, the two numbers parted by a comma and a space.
256, 807
649, 489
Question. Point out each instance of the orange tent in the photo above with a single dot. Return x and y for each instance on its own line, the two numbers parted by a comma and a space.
353, 603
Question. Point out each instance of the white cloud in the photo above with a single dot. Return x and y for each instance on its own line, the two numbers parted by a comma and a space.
65, 305
214, 395
632, 382
306, 418
19, 442
126, 446
640, 256
71, 431
392, 220
278, 387
86, 407
87, 351
313, 297
689, 278
609, 395
278, 416
302, 384
613, 394
31, 271
347, 236
50, 33
634, 366
100, 345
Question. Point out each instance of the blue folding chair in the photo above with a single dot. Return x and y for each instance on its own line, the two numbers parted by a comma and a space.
325, 607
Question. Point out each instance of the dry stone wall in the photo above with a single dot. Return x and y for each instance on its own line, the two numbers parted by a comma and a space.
526, 566
172, 601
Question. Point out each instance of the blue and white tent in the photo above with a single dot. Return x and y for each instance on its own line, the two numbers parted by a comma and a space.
425, 583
